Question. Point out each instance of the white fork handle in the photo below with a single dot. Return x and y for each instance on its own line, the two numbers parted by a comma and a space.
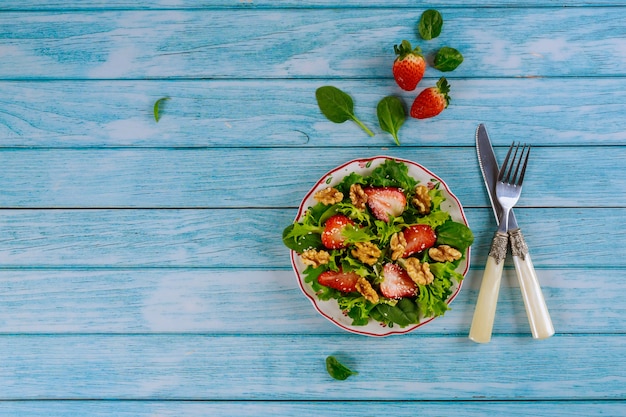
536, 309
485, 312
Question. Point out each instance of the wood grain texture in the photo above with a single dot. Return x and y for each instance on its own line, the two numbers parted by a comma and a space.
295, 43
245, 178
317, 408
284, 113
222, 302
254, 367
30, 5
141, 264
252, 238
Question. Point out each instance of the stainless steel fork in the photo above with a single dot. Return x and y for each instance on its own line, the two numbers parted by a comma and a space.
508, 191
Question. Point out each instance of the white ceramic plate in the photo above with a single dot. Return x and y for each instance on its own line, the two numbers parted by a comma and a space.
330, 308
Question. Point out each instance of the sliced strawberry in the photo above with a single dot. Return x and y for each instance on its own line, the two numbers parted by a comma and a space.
385, 201
332, 236
418, 238
342, 281
396, 282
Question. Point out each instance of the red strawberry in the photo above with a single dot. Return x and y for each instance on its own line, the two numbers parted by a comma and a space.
396, 282
418, 237
431, 101
339, 280
331, 236
385, 201
409, 66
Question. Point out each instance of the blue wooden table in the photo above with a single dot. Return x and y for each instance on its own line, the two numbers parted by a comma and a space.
142, 271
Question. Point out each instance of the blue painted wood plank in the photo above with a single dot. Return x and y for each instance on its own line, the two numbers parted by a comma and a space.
238, 238
317, 408
273, 113
320, 43
30, 5
255, 367
225, 177
222, 302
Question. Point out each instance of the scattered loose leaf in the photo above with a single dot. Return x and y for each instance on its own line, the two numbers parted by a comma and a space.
391, 115
338, 106
337, 370
430, 24
157, 105
448, 59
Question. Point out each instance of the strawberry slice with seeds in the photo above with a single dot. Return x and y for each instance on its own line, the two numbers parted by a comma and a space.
385, 202
339, 280
332, 236
396, 282
418, 238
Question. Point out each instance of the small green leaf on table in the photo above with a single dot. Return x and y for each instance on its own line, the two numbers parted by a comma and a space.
338, 106
157, 105
391, 115
430, 24
448, 59
337, 370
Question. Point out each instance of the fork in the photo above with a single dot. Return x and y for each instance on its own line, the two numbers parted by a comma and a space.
508, 191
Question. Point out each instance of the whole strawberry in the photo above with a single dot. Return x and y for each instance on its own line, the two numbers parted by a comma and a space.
409, 66
431, 101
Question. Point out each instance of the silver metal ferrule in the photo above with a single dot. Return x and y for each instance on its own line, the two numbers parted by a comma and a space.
498, 247
518, 244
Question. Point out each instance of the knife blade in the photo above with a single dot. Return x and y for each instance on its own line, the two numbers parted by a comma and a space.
489, 168
536, 309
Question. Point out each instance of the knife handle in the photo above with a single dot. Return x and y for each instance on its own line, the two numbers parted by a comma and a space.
485, 312
536, 309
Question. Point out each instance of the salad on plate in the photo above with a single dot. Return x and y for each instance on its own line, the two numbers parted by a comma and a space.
380, 246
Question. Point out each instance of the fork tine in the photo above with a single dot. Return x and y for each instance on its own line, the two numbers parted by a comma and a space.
510, 179
504, 164
521, 177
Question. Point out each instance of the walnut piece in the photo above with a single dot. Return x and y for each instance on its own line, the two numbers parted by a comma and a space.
315, 257
366, 252
444, 253
328, 196
398, 245
358, 196
419, 272
421, 199
364, 287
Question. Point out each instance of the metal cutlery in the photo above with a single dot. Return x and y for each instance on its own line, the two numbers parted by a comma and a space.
536, 309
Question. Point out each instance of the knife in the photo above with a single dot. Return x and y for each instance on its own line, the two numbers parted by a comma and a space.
534, 302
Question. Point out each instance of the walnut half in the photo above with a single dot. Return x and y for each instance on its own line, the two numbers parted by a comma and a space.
421, 199
444, 253
328, 196
364, 287
366, 252
398, 245
358, 196
315, 257
419, 272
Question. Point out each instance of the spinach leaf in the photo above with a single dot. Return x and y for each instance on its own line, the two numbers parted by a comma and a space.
447, 59
404, 313
338, 106
157, 105
391, 115
455, 234
430, 24
337, 370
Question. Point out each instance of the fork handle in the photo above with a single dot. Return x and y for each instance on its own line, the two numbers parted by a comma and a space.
485, 312
536, 309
